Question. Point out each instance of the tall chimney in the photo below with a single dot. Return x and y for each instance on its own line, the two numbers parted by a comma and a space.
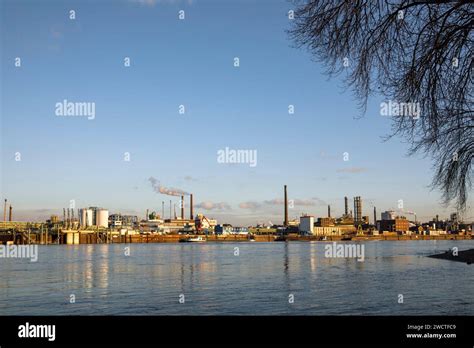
329, 210
147, 215
162, 209
191, 207
375, 216
346, 206
170, 210
10, 215
5, 211
182, 207
286, 207
357, 209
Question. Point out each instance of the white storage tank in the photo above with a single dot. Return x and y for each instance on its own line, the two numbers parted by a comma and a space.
86, 217
102, 216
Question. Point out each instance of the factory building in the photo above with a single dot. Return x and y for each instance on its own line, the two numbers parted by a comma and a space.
398, 224
326, 222
388, 215
293, 223
327, 231
306, 224
345, 220
119, 220
228, 229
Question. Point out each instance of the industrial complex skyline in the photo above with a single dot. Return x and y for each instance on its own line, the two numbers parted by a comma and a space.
355, 211
165, 102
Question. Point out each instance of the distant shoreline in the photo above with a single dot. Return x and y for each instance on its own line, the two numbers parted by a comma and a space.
90, 237
460, 256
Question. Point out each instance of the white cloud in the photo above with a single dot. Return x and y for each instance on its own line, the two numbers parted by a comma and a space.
249, 205
300, 202
208, 205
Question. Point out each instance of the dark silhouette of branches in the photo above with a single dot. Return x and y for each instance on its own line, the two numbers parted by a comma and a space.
410, 52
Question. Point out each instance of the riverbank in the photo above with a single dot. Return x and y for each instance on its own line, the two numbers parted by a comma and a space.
466, 256
91, 237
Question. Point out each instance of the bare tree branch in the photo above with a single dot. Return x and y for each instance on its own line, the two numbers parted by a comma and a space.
410, 52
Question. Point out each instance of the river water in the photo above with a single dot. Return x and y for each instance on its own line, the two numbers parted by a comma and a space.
294, 278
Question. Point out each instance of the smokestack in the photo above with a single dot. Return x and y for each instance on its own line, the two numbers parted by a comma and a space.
147, 215
329, 210
10, 215
286, 207
162, 209
170, 210
191, 207
174, 208
182, 207
375, 216
357, 209
346, 206
5, 211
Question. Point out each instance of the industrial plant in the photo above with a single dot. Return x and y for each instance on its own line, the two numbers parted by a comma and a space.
91, 225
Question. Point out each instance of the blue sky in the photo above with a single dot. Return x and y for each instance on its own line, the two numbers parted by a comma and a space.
188, 62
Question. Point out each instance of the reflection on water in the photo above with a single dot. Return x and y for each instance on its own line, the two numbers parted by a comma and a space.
258, 281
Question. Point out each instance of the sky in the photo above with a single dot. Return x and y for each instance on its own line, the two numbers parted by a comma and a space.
323, 151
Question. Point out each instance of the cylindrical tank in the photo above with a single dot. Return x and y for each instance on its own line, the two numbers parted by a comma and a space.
86, 217
103, 218
82, 217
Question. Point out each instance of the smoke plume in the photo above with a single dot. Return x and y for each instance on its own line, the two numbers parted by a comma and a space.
170, 191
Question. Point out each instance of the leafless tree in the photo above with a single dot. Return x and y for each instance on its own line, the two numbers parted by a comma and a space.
407, 51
